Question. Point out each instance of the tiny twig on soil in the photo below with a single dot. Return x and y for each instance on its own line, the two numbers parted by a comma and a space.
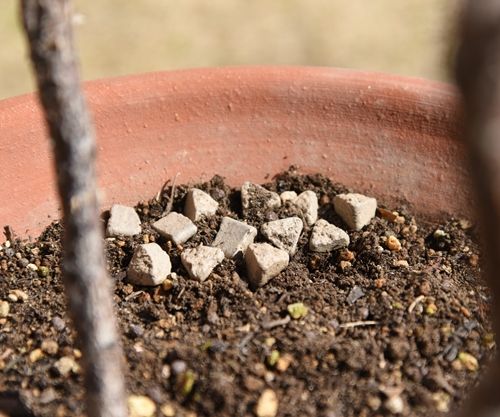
8, 232
353, 324
245, 340
415, 302
135, 294
170, 203
162, 189
274, 323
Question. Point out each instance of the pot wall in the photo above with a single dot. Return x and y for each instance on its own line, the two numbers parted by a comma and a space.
392, 137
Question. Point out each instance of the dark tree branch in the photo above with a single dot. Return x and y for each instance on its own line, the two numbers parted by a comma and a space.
48, 27
478, 75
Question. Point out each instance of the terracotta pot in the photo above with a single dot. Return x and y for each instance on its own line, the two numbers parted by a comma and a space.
392, 137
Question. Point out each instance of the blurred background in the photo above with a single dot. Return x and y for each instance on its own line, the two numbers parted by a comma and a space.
117, 37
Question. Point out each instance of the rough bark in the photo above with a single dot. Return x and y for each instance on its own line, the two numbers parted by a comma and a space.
47, 24
478, 75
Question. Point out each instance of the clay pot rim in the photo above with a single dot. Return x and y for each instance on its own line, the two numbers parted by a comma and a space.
382, 79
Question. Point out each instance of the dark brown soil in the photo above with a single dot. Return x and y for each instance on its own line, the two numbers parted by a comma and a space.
416, 321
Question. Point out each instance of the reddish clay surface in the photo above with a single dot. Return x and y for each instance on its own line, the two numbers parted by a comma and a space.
393, 137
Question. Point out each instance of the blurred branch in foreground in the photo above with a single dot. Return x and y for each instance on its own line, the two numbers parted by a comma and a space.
478, 75
48, 28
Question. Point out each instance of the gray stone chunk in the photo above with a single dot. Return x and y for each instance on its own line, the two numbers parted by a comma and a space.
355, 209
264, 262
288, 196
200, 261
326, 237
254, 195
307, 203
176, 227
283, 233
150, 265
234, 236
123, 221
355, 294
199, 204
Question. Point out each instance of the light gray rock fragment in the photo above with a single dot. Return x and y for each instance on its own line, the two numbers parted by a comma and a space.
123, 221
254, 195
200, 261
355, 294
307, 203
150, 265
326, 237
264, 262
199, 204
176, 227
288, 196
283, 233
234, 236
355, 209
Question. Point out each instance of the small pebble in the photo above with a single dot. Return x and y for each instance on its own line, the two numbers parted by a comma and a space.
264, 262
442, 401
357, 210
469, 361
394, 404
297, 310
4, 309
355, 294
473, 260
36, 355
150, 265
234, 237
167, 410
199, 204
283, 233
347, 255
50, 347
201, 260
393, 243
326, 237
387, 214
267, 405
374, 402
178, 367
345, 265
284, 362
465, 224
58, 323
123, 221
141, 406
307, 203
65, 365
288, 196
175, 227
18, 295
23, 263
135, 331
254, 195
43, 271
431, 309
273, 358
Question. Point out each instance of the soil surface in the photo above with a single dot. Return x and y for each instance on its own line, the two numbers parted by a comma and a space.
386, 332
